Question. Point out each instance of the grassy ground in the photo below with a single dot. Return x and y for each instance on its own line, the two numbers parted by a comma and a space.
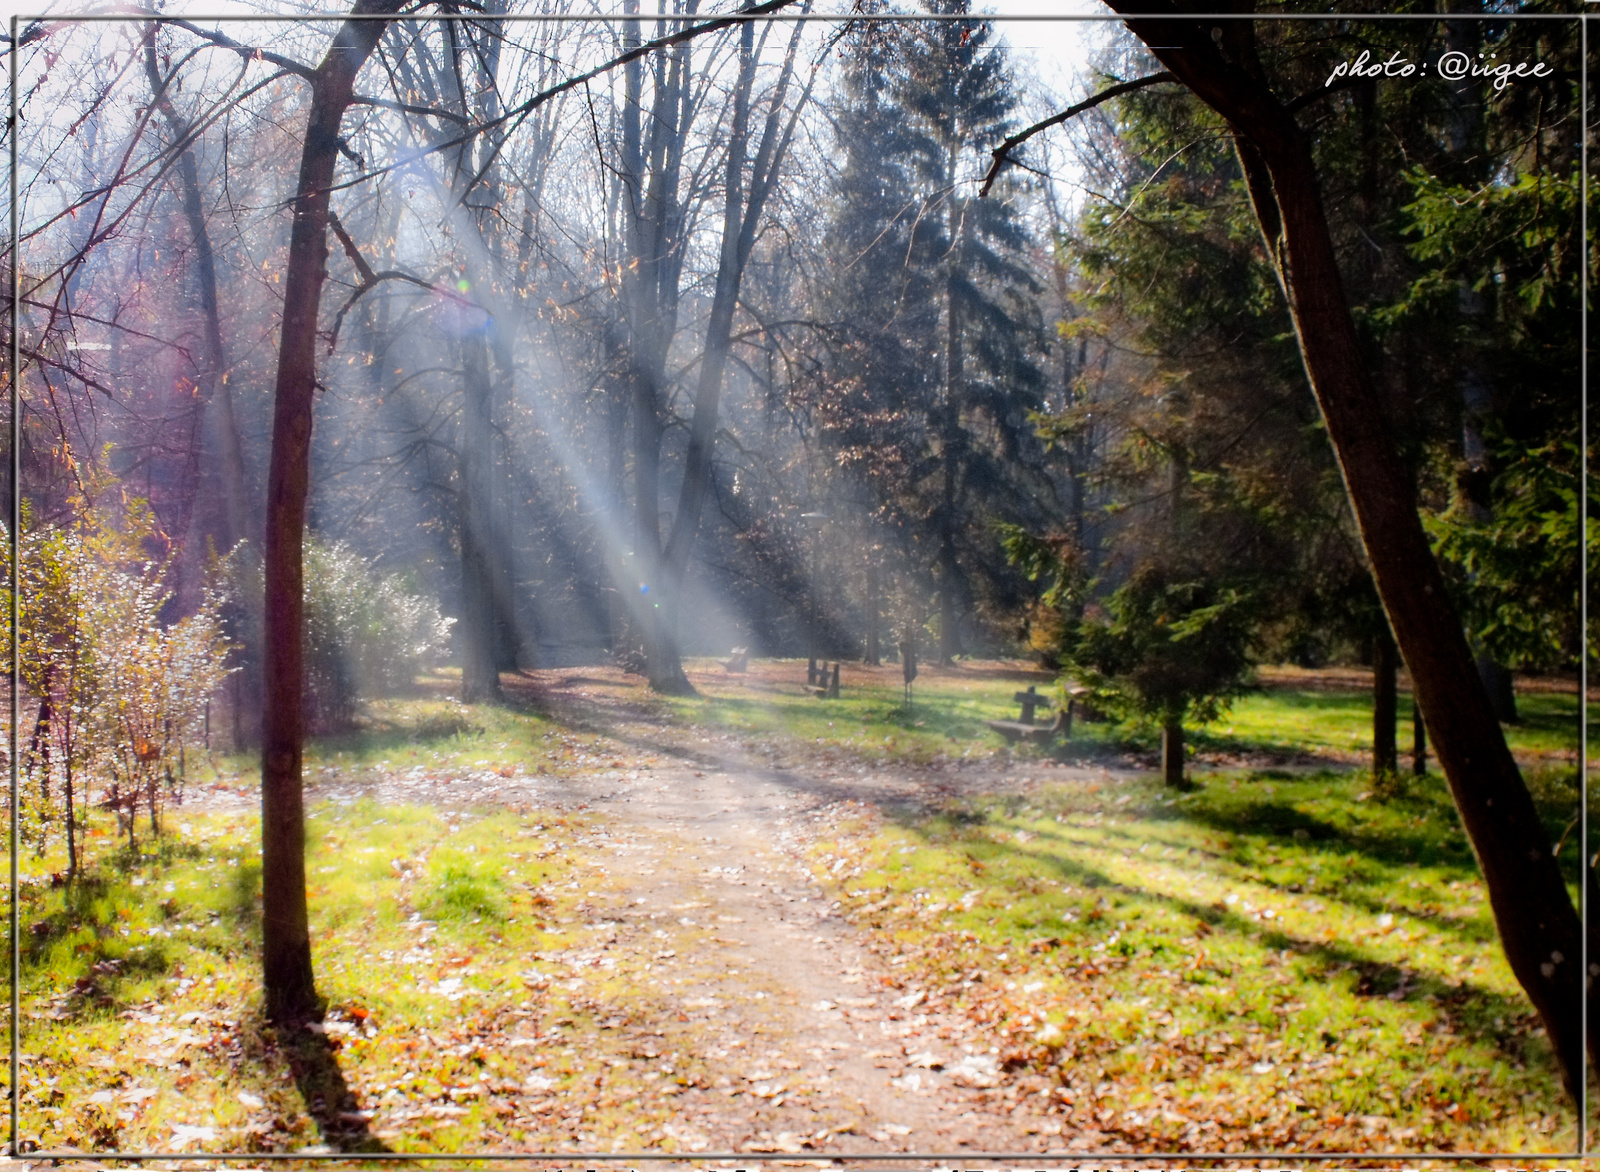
1267, 961
1280, 956
1293, 717
460, 957
1338, 724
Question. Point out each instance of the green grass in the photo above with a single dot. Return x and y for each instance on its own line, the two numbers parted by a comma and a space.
1287, 720
1267, 952
455, 951
946, 720
869, 720
1116, 939
440, 735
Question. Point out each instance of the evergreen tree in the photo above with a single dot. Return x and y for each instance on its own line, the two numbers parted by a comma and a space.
931, 375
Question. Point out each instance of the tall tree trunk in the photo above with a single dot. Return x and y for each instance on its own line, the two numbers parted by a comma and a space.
1385, 698
614, 500
490, 635
285, 937
649, 172
220, 427
950, 442
1539, 928
223, 434
480, 606
874, 654
741, 216
1172, 751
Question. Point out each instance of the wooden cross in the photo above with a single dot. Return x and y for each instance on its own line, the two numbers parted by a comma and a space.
1029, 701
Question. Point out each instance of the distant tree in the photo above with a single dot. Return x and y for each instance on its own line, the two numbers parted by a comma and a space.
931, 369
660, 188
1509, 530
1171, 645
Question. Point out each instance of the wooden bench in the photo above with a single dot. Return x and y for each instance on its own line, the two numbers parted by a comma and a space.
824, 685
740, 661
1027, 730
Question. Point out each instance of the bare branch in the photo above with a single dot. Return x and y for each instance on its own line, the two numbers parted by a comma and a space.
1002, 152
247, 52
350, 248
521, 112
299, 69
369, 280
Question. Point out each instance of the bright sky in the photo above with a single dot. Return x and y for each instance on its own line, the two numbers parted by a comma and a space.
1056, 49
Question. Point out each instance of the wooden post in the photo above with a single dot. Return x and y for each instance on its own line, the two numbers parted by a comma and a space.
1419, 742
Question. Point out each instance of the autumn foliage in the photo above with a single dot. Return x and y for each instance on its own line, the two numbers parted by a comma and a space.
119, 688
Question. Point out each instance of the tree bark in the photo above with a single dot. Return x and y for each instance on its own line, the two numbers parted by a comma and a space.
955, 378
224, 431
1539, 929
290, 986
1385, 700
1419, 743
651, 163
1498, 685
874, 654
1172, 752
481, 606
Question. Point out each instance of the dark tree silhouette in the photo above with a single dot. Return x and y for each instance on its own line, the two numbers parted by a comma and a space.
285, 937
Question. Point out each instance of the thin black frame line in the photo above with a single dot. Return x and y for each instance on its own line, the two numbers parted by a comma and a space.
1583, 572
15, 610
13, 1090
1583, 576
828, 17
383, 1157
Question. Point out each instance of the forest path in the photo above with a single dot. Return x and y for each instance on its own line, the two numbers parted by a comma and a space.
821, 1047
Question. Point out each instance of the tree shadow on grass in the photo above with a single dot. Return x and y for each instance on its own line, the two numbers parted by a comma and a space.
87, 913
1477, 1014
332, 1105
1471, 930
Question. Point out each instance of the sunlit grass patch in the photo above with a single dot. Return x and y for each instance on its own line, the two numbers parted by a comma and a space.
1267, 962
452, 948
947, 719
437, 737
870, 719
1338, 722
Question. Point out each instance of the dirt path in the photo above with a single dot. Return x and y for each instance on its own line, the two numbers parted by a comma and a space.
722, 845
822, 1048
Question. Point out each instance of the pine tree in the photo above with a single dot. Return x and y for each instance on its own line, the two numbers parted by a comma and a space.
932, 374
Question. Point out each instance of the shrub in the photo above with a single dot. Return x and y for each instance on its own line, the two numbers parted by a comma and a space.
368, 634
119, 692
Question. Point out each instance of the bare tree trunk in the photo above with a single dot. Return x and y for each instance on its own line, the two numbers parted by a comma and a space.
950, 439
650, 170
1539, 928
480, 606
220, 427
874, 655
1385, 698
285, 936
741, 216
1172, 752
